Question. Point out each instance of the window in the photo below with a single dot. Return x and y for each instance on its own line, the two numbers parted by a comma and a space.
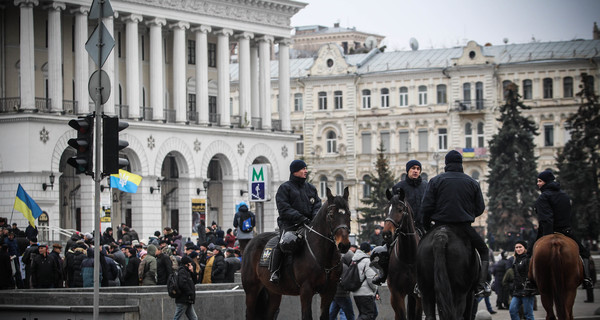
366, 142
338, 101
479, 95
385, 140
331, 142
385, 98
403, 139
548, 135
527, 87
468, 135
547, 88
142, 53
300, 146
441, 94
422, 95
191, 51
212, 55
423, 143
590, 81
339, 185
366, 99
212, 109
568, 87
192, 104
366, 186
118, 41
467, 93
480, 136
403, 96
298, 102
323, 187
442, 139
322, 100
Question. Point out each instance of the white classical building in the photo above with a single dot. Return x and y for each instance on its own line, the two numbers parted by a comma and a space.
421, 104
170, 79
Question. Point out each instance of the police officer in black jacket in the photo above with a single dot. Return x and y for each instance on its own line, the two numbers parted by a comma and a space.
455, 198
298, 203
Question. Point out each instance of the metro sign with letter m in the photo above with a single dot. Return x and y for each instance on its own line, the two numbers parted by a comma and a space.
258, 182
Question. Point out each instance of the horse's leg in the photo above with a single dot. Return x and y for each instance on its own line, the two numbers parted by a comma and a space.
326, 299
415, 308
253, 296
569, 302
548, 304
398, 304
306, 295
428, 301
273, 306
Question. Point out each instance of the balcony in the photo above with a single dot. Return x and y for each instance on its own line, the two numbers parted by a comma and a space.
10, 104
145, 113
256, 123
122, 110
471, 106
170, 115
236, 121
192, 116
214, 119
70, 107
474, 153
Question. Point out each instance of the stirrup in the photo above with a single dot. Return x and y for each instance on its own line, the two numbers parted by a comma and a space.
417, 291
483, 290
274, 277
587, 283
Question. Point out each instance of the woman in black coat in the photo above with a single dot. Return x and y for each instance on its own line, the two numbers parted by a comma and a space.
131, 271
521, 296
184, 302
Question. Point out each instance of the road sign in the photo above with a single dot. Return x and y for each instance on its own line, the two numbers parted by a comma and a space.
108, 43
258, 182
99, 77
100, 11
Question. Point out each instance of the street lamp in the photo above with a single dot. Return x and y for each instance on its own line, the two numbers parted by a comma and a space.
51, 185
205, 184
436, 157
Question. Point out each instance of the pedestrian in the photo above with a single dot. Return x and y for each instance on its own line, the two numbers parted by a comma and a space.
342, 303
13, 252
74, 265
297, 203
499, 270
553, 208
376, 238
55, 255
107, 237
210, 259
365, 296
521, 295
230, 239
233, 265
219, 267
184, 303
131, 270
454, 198
245, 221
150, 268
164, 267
27, 259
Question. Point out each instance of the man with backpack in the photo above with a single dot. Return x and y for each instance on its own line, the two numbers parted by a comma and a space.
184, 300
245, 221
365, 295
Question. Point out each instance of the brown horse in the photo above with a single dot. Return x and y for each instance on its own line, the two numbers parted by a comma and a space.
316, 266
400, 236
558, 271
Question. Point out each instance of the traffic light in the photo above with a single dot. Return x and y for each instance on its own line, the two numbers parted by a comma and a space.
111, 163
83, 144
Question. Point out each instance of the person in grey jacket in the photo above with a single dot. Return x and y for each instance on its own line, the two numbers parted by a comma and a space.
364, 297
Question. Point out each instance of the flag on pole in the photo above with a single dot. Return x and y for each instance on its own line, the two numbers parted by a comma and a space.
27, 206
468, 152
125, 181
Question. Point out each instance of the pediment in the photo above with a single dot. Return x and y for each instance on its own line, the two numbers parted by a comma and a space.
473, 55
330, 61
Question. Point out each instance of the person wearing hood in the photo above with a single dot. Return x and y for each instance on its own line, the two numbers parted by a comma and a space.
244, 231
364, 297
150, 267
297, 203
74, 260
107, 237
454, 198
553, 208
185, 301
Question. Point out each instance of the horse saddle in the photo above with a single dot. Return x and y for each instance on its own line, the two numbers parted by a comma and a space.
265, 257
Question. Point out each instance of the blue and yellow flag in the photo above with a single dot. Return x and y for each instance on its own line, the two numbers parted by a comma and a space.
468, 152
27, 206
125, 181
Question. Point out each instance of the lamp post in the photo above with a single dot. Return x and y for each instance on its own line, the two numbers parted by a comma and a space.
436, 157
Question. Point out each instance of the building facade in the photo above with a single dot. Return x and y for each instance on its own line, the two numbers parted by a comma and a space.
170, 80
307, 40
421, 104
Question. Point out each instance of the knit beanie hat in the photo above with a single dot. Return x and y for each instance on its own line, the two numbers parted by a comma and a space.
413, 163
297, 165
453, 157
522, 242
546, 176
185, 260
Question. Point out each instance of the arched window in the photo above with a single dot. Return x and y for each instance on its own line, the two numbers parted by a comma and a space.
468, 135
331, 142
339, 185
366, 99
323, 187
403, 96
422, 95
366, 186
480, 136
385, 98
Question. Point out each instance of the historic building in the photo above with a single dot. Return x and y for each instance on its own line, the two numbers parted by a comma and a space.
170, 80
307, 40
421, 104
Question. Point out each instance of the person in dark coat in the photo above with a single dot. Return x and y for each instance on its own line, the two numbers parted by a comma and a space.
55, 255
521, 296
43, 269
454, 198
74, 275
13, 251
164, 267
553, 208
27, 259
131, 271
219, 268
31, 232
184, 303
71, 242
297, 203
499, 270
233, 264
244, 235
6, 279
107, 237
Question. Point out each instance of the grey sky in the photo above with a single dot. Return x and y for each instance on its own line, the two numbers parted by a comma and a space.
447, 23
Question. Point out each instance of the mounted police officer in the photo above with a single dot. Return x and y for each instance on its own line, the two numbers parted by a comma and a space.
298, 203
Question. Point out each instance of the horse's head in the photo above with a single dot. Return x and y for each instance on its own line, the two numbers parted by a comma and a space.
338, 219
398, 215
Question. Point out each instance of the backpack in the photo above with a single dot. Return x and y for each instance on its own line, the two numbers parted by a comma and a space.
173, 285
350, 278
246, 221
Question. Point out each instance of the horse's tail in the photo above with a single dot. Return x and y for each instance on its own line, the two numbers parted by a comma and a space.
443, 292
558, 270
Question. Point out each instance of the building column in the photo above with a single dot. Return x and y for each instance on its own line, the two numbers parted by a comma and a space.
132, 67
284, 85
264, 83
202, 72
179, 75
156, 68
223, 84
81, 61
55, 80
254, 82
26, 55
109, 66
244, 77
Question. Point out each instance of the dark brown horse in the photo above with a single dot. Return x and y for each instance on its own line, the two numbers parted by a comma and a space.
316, 265
558, 271
402, 240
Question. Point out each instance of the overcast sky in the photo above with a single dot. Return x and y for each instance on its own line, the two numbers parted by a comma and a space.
448, 23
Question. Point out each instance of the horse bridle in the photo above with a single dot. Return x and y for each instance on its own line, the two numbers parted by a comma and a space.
398, 225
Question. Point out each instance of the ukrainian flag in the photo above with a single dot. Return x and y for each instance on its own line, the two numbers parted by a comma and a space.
468, 153
27, 206
125, 181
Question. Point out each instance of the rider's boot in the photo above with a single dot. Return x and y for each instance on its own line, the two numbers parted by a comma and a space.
380, 259
275, 264
587, 279
483, 288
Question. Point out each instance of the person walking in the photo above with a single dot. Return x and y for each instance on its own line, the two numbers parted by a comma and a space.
184, 303
297, 203
521, 296
245, 221
342, 301
454, 198
364, 297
